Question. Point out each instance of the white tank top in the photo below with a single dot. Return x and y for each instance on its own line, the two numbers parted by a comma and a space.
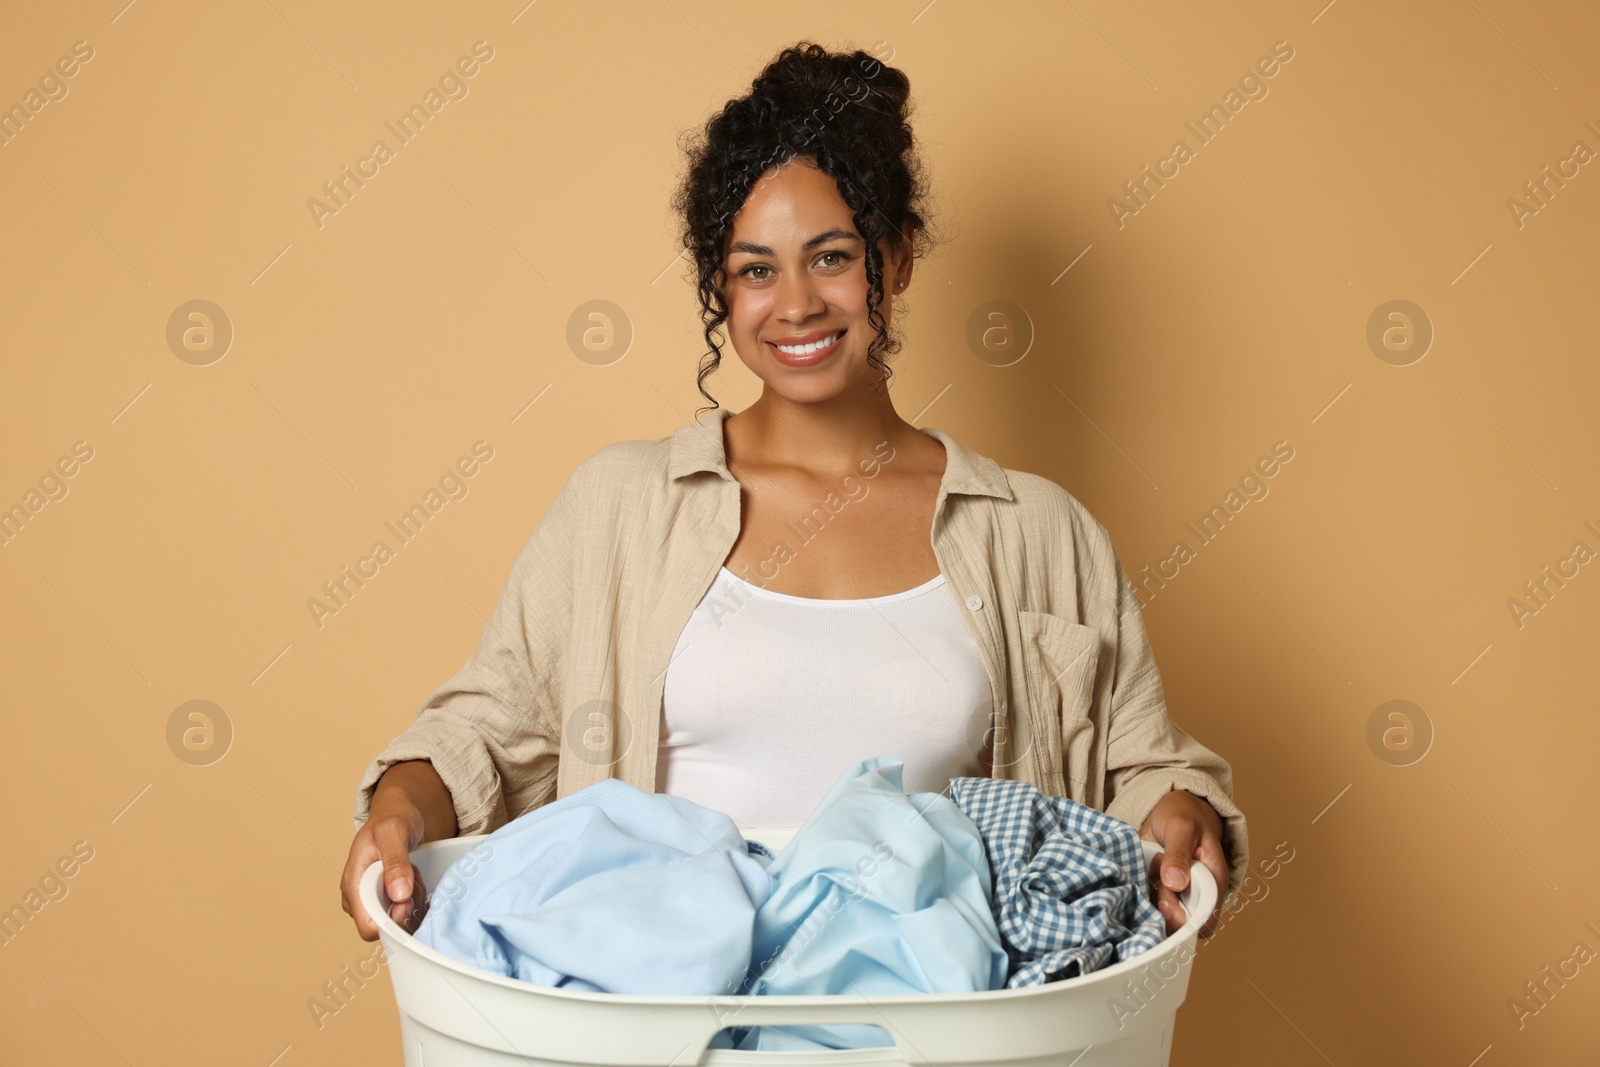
769, 697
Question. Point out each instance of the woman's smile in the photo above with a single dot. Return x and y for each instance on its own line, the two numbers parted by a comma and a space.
806, 350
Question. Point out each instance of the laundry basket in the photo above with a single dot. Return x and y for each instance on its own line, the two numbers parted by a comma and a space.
454, 1015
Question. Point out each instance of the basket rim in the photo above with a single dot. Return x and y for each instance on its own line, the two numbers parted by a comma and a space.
1202, 890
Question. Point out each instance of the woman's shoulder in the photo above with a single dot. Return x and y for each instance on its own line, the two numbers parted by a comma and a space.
635, 470
1042, 504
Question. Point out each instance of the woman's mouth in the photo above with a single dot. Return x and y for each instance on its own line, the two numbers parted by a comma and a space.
804, 355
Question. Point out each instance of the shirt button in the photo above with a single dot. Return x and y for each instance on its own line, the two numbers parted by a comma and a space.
975, 602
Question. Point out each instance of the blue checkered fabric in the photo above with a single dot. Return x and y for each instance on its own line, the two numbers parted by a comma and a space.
1070, 883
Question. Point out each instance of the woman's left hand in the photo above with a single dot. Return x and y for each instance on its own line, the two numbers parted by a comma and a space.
1187, 828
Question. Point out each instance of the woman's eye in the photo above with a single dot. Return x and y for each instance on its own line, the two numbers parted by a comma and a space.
841, 259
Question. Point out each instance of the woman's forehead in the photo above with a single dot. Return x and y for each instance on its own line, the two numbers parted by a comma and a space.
792, 205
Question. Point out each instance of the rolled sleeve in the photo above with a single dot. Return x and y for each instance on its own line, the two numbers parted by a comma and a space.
492, 731
1148, 755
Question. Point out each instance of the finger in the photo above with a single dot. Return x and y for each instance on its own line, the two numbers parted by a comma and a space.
395, 851
1171, 910
362, 853
1183, 836
1212, 855
418, 907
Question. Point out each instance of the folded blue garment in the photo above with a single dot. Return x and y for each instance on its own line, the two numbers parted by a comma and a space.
879, 892
609, 889
1070, 883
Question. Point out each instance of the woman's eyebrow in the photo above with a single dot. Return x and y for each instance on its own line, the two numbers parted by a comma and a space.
822, 238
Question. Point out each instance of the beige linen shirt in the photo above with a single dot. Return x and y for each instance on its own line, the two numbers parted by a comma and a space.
564, 688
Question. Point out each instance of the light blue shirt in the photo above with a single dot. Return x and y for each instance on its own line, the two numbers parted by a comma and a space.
879, 892
610, 889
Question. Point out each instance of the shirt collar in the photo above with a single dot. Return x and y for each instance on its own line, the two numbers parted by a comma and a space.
698, 446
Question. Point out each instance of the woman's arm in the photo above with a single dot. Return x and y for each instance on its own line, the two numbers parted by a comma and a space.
485, 745
1148, 756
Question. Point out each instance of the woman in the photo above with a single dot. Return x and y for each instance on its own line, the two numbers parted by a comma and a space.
737, 611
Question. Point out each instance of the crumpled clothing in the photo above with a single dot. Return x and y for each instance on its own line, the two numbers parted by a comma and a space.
609, 889
1069, 889
878, 893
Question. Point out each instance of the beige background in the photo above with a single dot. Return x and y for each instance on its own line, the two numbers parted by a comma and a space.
1228, 314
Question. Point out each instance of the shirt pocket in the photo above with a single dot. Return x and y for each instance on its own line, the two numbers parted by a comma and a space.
1060, 660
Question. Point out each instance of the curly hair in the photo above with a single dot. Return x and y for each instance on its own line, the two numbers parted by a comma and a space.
845, 112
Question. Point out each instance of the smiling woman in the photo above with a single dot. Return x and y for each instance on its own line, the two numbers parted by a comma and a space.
964, 618
831, 130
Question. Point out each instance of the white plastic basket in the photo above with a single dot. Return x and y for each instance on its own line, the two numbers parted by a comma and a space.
454, 1015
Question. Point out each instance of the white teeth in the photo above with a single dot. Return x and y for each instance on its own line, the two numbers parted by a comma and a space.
804, 350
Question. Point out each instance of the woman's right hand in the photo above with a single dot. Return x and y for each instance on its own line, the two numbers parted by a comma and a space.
410, 801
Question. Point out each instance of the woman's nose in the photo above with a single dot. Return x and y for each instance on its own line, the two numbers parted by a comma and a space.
797, 298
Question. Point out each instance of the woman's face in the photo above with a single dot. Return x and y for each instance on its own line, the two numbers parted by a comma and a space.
795, 274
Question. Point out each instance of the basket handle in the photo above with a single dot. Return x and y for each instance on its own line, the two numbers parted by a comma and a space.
1199, 898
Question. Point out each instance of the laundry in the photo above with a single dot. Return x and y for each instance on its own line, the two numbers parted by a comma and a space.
1069, 888
879, 892
609, 890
